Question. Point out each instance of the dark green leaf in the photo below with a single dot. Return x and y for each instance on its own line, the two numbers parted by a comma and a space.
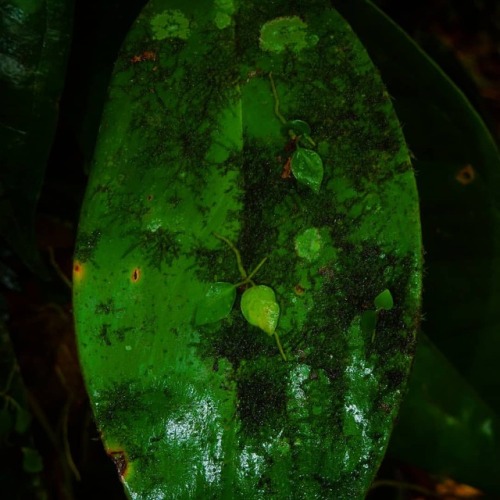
300, 127
307, 168
6, 421
32, 461
216, 304
369, 322
443, 409
34, 43
23, 420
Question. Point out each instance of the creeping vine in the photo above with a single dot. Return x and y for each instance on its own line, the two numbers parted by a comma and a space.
258, 302
305, 164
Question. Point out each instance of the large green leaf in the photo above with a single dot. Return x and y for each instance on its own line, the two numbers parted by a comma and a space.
459, 186
192, 145
34, 43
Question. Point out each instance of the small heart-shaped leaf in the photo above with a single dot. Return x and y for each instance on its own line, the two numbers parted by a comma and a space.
300, 127
216, 304
259, 306
384, 300
307, 168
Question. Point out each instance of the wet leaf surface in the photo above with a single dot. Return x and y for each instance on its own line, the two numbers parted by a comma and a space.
190, 153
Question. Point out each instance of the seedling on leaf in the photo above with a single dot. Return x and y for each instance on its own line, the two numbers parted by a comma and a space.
305, 164
258, 303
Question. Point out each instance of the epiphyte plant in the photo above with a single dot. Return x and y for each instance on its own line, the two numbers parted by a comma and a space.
382, 302
258, 302
305, 164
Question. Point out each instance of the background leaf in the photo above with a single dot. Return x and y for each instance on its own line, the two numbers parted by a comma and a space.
34, 45
442, 408
16, 433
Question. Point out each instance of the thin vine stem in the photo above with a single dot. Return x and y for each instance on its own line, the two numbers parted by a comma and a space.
276, 101
280, 347
237, 253
248, 279
282, 119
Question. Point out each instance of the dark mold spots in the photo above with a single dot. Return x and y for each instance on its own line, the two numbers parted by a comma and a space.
265, 484
120, 333
394, 378
236, 340
261, 395
107, 307
104, 334
220, 263
394, 328
86, 244
328, 487
160, 246
119, 458
357, 288
118, 403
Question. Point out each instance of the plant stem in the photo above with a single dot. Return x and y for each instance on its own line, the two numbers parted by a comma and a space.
283, 355
237, 253
248, 279
311, 142
276, 101
282, 119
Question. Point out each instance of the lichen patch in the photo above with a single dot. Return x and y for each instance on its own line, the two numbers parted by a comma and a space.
170, 24
286, 33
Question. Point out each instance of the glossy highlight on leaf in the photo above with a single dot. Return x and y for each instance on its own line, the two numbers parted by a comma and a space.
216, 304
307, 168
259, 306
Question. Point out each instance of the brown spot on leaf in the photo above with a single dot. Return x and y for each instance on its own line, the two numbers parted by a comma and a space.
466, 175
147, 55
136, 275
120, 460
